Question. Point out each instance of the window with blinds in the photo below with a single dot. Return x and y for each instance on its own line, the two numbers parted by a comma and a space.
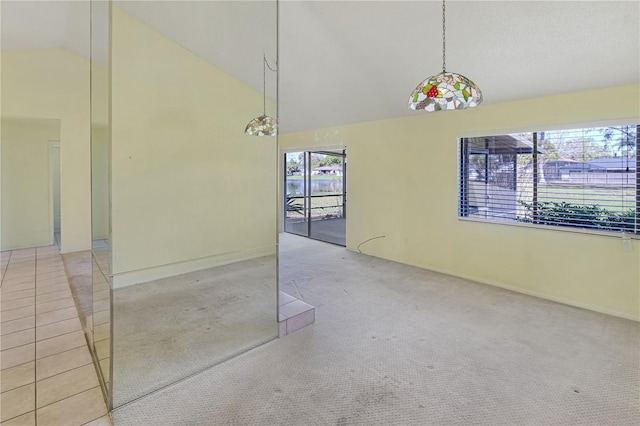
582, 178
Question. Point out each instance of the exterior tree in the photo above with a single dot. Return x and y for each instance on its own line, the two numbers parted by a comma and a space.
292, 166
624, 138
330, 159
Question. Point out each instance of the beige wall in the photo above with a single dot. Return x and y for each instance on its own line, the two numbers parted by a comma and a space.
189, 188
402, 183
26, 201
54, 84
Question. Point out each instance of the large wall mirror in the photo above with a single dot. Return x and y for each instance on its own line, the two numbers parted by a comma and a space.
51, 111
100, 198
45, 124
193, 198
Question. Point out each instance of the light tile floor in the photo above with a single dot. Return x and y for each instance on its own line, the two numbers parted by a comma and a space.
47, 376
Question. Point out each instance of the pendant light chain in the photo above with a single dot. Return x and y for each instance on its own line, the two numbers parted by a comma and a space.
265, 65
264, 85
444, 43
263, 125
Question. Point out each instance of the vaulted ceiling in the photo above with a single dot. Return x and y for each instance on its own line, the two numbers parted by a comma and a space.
343, 62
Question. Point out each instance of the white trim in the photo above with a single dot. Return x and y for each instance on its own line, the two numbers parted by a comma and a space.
53, 144
339, 147
575, 230
543, 296
523, 291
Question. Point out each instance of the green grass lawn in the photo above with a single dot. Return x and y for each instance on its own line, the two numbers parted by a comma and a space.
321, 206
611, 198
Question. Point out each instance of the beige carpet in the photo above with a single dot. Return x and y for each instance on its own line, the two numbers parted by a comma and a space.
168, 329
397, 345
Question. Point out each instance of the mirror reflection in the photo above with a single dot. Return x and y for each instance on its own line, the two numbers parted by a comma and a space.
100, 166
46, 200
193, 198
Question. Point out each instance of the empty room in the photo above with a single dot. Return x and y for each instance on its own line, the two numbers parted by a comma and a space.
320, 212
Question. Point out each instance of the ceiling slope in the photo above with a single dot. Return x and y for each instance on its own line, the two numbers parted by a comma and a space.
344, 62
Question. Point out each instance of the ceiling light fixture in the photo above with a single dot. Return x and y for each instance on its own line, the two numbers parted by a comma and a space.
445, 90
263, 125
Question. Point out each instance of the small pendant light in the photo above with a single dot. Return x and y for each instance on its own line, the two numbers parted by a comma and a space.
263, 125
446, 90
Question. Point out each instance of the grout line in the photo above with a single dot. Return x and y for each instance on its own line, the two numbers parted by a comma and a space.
24, 363
34, 412
20, 298
19, 319
33, 314
51, 272
18, 278
70, 396
18, 275
60, 335
97, 418
4, 269
56, 354
11, 390
20, 331
5, 292
55, 309
55, 322
49, 291
74, 368
52, 300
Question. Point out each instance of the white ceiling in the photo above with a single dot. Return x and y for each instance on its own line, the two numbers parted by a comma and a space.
343, 62
44, 24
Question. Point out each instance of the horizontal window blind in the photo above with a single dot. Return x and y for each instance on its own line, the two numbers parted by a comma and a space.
585, 178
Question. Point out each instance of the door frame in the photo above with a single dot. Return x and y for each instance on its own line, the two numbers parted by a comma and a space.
338, 151
53, 146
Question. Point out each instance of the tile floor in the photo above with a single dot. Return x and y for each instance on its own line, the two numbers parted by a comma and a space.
47, 376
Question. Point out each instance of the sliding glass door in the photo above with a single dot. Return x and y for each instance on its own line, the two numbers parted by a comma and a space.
296, 197
315, 195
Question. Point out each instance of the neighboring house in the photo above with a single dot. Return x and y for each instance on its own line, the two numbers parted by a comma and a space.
334, 169
555, 170
613, 165
600, 171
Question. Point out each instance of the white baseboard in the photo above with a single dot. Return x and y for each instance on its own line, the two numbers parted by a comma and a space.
525, 291
125, 279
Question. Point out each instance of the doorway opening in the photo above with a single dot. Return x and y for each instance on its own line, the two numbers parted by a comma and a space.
315, 196
54, 174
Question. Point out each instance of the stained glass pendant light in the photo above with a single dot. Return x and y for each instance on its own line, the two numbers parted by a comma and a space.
446, 90
263, 125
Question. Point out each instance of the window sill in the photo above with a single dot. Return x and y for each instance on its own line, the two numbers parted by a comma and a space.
610, 234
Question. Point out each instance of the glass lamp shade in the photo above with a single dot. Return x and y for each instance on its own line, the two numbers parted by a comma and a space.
262, 126
445, 91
